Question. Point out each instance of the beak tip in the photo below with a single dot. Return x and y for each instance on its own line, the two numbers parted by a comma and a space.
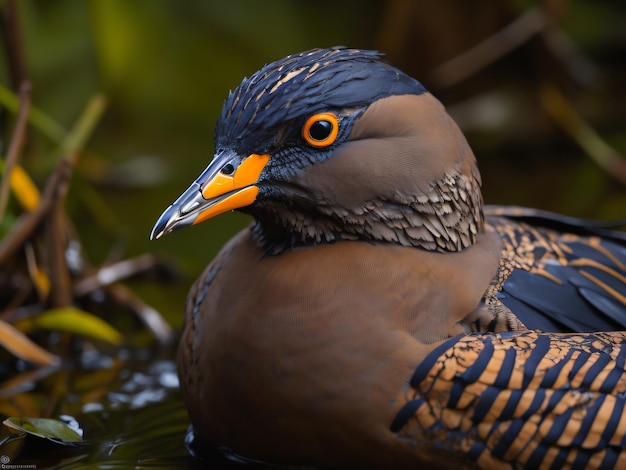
154, 235
170, 220
161, 226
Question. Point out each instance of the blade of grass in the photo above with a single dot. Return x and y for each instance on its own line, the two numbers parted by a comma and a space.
15, 147
21, 346
72, 320
36, 117
75, 140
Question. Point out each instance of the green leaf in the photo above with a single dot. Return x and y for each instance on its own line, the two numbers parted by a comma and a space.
46, 428
73, 320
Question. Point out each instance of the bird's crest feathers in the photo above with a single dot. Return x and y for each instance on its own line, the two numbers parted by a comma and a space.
306, 83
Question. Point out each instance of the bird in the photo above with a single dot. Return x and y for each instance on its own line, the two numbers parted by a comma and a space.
376, 313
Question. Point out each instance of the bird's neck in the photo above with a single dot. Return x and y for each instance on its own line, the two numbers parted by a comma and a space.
446, 218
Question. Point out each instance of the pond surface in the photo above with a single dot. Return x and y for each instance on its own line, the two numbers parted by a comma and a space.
130, 409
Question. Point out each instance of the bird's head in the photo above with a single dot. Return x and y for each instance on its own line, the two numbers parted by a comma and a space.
334, 144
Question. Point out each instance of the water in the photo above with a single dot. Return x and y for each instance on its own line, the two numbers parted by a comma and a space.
131, 411
128, 405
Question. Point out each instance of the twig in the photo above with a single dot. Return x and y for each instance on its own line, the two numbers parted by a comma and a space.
14, 47
148, 315
56, 242
582, 133
16, 145
116, 272
28, 223
37, 118
582, 70
26, 381
491, 49
22, 284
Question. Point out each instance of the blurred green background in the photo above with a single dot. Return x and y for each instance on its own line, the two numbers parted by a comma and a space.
166, 66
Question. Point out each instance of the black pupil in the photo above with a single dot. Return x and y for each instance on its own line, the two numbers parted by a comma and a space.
320, 130
228, 169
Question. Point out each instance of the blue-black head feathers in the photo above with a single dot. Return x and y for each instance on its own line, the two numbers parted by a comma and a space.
307, 83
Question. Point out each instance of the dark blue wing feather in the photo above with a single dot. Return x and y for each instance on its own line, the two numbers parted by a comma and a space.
561, 274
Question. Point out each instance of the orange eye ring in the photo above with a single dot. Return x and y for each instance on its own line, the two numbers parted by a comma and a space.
321, 130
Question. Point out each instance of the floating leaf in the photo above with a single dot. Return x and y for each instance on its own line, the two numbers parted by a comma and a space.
73, 320
21, 346
51, 429
11, 445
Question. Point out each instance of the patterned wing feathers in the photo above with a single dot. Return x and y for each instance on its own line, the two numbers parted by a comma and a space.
524, 399
555, 281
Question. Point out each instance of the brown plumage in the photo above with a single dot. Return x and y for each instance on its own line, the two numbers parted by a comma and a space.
373, 315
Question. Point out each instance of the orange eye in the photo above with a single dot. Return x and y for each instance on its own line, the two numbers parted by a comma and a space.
321, 130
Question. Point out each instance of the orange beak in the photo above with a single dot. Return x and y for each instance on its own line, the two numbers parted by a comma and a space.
227, 183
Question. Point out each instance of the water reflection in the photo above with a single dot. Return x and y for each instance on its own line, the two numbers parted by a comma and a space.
130, 409
145, 388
